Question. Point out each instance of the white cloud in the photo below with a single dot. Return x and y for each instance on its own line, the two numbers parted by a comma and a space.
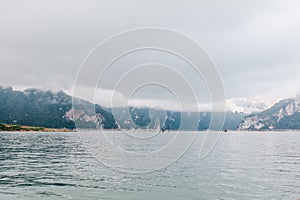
254, 43
249, 105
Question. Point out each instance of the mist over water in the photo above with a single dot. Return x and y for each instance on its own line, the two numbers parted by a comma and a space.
242, 166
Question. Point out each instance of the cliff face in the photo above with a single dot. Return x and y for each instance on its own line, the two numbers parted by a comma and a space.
34, 107
48, 109
145, 118
283, 115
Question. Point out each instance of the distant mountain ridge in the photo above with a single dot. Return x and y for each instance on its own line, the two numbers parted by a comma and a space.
283, 115
145, 118
248, 106
33, 107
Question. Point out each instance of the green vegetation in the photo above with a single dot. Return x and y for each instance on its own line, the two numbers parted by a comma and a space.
10, 127
4, 127
38, 108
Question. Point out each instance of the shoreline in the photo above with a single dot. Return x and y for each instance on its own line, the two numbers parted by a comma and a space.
19, 128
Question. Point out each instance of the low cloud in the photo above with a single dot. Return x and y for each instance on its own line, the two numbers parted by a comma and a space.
255, 43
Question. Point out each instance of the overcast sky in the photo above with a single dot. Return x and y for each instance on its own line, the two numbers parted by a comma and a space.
255, 44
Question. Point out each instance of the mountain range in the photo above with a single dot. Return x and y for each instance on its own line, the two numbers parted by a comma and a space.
33, 107
283, 115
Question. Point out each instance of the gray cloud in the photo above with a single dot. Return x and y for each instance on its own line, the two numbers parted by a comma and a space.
254, 43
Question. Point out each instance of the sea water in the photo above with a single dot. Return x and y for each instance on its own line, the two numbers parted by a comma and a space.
243, 165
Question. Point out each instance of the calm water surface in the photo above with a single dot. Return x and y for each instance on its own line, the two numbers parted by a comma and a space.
242, 166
